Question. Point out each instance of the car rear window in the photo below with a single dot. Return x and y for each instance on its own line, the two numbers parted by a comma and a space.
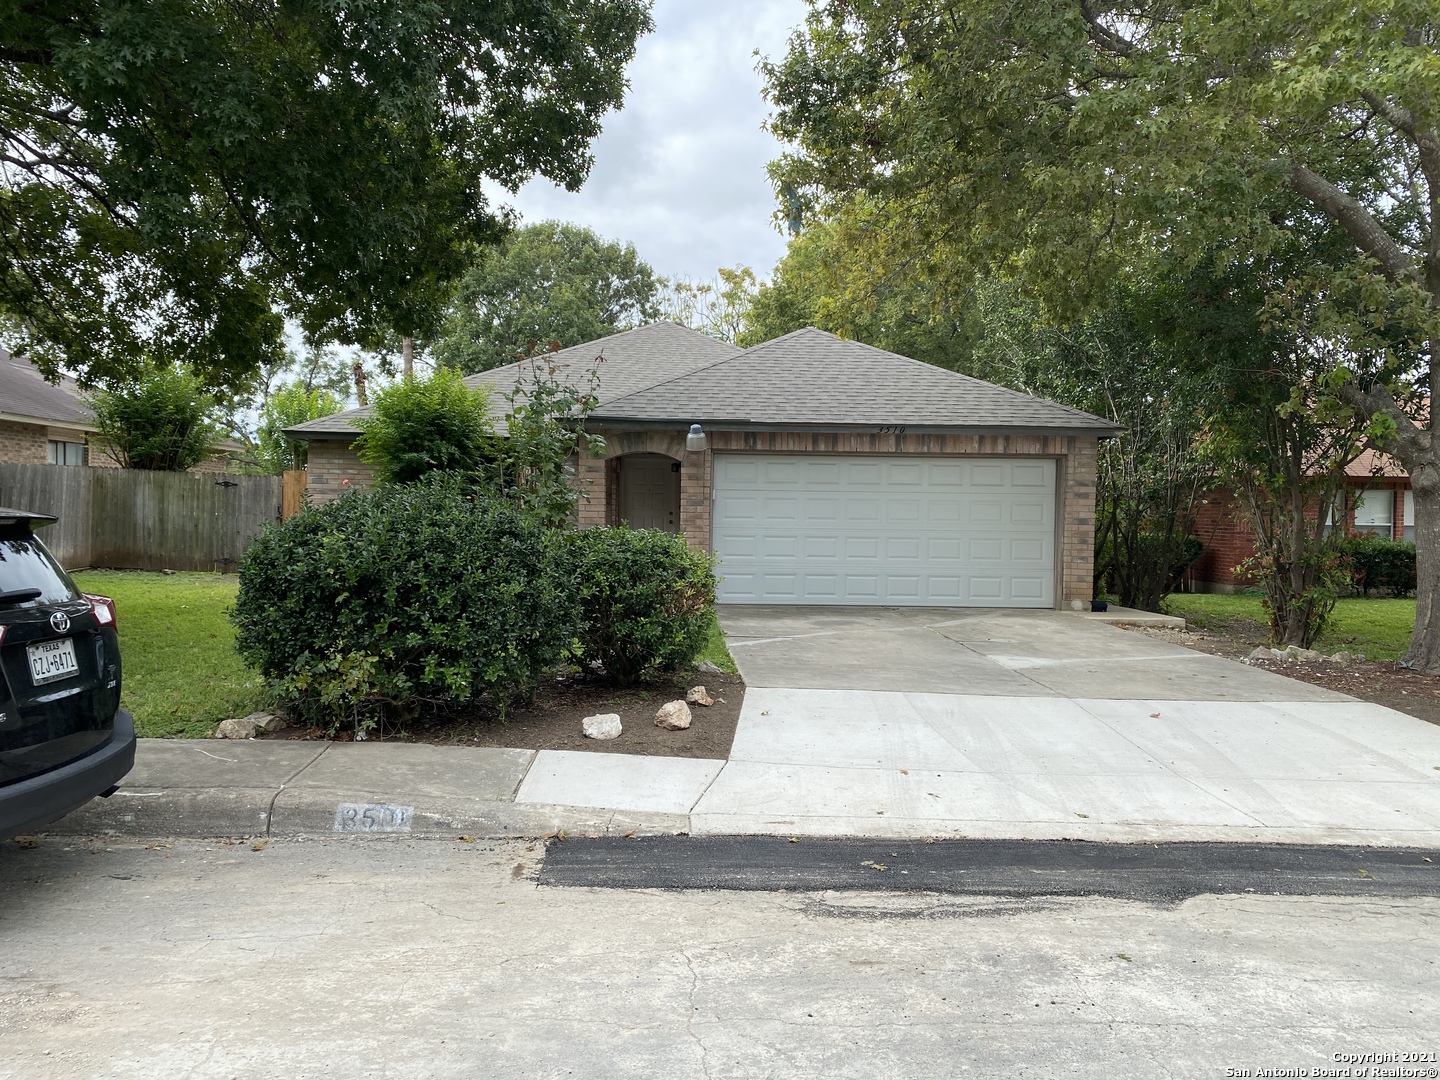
25, 564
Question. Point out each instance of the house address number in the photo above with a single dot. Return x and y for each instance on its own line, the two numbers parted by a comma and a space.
891, 429
373, 817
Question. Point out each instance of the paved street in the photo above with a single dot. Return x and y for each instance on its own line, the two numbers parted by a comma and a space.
425, 958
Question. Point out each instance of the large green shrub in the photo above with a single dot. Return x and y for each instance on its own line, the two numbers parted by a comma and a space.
646, 599
161, 422
381, 603
427, 425
1377, 562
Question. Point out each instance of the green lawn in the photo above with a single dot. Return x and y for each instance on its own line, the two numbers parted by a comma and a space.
1380, 629
182, 676
715, 650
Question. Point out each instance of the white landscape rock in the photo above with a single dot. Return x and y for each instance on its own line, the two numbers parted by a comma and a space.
247, 727
708, 668
601, 726
673, 716
698, 695
238, 727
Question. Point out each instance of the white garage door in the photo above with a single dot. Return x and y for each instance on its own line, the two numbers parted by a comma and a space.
853, 529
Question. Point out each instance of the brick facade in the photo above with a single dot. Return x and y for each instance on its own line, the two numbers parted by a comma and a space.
1228, 541
23, 444
333, 462
1075, 456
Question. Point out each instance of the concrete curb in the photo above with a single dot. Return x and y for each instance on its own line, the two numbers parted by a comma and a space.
195, 790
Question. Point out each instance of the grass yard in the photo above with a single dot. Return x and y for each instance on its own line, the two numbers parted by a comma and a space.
715, 650
181, 673
1380, 629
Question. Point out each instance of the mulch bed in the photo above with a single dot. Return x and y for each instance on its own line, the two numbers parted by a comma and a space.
552, 721
1382, 681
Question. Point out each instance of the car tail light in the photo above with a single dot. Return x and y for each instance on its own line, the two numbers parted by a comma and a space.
103, 609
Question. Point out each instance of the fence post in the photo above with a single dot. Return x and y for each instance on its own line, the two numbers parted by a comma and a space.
292, 498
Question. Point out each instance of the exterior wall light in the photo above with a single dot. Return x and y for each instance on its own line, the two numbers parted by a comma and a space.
696, 439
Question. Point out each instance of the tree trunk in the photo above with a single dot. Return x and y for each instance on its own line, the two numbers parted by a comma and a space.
1424, 653
407, 358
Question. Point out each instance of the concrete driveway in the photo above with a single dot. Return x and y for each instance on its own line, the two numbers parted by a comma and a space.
936, 722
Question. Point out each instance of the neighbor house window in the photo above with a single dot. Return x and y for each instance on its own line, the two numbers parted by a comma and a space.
1409, 515
1375, 512
66, 453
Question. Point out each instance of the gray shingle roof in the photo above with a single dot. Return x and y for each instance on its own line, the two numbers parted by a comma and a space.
628, 361
664, 373
24, 392
813, 379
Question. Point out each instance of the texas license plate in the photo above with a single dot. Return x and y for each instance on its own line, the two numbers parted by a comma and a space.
51, 660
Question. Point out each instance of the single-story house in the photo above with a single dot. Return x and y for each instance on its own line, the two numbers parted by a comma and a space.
1376, 499
45, 423
818, 470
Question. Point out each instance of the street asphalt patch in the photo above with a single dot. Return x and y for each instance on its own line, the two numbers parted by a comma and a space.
1152, 872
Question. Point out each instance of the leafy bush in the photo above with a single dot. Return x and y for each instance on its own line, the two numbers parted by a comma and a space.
377, 604
291, 404
427, 425
160, 422
1377, 562
646, 600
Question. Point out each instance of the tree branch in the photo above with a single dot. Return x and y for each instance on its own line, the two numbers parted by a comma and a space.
1409, 443
1371, 237
1102, 36
1428, 145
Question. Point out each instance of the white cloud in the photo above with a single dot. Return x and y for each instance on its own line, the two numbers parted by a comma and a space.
680, 171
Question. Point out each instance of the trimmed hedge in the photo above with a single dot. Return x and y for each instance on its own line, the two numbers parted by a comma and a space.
375, 605
1377, 562
646, 600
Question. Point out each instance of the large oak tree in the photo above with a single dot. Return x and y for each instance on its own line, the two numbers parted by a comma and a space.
1063, 141
178, 175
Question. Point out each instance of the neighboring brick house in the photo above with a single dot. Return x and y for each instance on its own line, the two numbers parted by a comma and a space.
42, 422
1377, 499
45, 423
819, 470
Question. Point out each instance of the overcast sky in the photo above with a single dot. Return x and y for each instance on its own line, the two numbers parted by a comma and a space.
680, 170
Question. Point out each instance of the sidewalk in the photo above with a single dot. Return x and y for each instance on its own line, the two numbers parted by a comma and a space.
841, 764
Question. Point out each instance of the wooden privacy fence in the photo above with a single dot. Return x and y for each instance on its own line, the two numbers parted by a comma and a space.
142, 520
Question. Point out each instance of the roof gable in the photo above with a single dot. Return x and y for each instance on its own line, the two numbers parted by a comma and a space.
624, 363
810, 378
24, 392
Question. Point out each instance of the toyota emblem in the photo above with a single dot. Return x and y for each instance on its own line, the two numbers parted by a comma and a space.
60, 622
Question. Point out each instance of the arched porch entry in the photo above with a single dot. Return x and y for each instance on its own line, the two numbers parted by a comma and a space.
648, 490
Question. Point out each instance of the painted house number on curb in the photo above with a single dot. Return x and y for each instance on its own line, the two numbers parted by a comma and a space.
373, 817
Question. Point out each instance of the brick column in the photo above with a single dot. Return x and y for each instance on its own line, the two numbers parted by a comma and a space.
590, 484
1077, 524
696, 472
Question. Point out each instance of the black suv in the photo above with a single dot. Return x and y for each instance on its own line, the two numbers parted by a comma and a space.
63, 737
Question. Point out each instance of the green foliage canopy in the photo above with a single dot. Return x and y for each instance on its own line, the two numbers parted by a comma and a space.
160, 422
174, 175
546, 284
1063, 145
427, 425
288, 405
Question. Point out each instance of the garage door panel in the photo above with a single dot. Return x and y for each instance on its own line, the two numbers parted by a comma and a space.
987, 476
1027, 513
841, 529
903, 547
986, 511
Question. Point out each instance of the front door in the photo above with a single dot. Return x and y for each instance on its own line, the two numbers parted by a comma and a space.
650, 492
